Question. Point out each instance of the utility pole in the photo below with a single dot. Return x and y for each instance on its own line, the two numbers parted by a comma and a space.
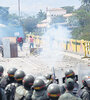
19, 8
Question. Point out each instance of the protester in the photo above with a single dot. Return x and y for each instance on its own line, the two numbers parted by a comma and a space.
31, 42
20, 42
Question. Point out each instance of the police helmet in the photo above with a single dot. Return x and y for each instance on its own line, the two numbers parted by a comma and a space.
69, 83
84, 81
1, 70
88, 82
53, 91
11, 72
19, 75
38, 84
28, 81
48, 76
70, 74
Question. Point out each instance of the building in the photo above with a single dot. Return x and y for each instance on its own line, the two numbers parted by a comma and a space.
52, 12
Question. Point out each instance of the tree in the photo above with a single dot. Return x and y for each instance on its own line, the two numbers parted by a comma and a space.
73, 21
69, 9
85, 2
29, 24
41, 16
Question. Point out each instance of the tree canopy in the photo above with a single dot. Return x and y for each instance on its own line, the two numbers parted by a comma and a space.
69, 9
83, 16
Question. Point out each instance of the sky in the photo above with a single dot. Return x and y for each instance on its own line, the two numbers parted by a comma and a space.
31, 7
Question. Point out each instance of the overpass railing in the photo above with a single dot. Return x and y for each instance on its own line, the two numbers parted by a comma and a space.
72, 45
78, 46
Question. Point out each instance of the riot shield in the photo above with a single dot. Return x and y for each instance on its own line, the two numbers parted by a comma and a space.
83, 70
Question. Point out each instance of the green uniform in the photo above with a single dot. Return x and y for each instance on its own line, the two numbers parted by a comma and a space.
39, 95
68, 96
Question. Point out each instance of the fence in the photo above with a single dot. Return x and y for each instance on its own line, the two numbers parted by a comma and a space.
77, 46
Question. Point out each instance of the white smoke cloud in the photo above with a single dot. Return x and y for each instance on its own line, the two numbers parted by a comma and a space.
52, 43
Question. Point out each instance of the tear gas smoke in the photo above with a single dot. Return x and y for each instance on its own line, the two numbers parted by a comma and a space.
10, 31
52, 44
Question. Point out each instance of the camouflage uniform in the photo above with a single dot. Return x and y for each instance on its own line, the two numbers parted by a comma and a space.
28, 95
10, 90
5, 81
68, 96
85, 94
40, 95
22, 94
2, 94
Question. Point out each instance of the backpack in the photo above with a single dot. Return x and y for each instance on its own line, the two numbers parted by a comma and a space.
10, 91
20, 93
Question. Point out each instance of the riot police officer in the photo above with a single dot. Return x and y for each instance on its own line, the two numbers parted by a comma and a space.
68, 95
85, 93
24, 92
1, 72
11, 89
53, 91
84, 81
49, 79
2, 94
39, 92
70, 74
9, 78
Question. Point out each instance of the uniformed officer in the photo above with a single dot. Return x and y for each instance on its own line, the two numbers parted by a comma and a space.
1, 72
68, 95
9, 78
2, 94
85, 93
53, 91
49, 79
12, 88
70, 74
39, 92
26, 89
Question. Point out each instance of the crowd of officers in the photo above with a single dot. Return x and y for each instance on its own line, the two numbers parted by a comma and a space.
18, 86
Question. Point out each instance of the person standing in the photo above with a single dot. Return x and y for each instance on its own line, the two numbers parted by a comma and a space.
31, 42
85, 91
20, 42
68, 95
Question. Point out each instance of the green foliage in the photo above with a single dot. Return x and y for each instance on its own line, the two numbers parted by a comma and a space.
85, 2
73, 21
41, 16
83, 16
29, 24
81, 33
69, 9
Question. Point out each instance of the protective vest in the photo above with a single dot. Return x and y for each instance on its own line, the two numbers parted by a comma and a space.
39, 95
85, 95
10, 90
2, 94
20, 93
